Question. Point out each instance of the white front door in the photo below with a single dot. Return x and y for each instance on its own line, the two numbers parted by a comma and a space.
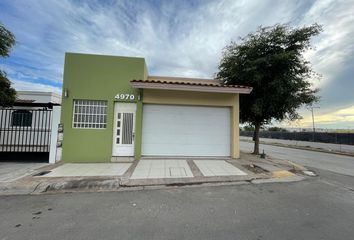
124, 129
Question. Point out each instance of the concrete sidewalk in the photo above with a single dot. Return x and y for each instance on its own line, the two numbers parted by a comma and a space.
153, 173
12, 171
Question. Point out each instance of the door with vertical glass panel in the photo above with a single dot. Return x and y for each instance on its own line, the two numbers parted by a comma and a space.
124, 129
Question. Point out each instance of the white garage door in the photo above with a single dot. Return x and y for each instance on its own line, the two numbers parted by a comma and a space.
170, 130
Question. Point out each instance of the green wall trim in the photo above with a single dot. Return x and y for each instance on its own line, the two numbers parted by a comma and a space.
97, 77
138, 130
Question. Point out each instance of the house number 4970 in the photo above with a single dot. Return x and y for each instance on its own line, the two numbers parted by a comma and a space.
124, 96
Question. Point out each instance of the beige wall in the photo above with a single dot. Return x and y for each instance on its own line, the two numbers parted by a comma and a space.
154, 96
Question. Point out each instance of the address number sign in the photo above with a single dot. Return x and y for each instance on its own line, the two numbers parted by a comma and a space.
124, 96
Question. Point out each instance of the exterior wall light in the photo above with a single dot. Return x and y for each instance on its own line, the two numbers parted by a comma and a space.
66, 93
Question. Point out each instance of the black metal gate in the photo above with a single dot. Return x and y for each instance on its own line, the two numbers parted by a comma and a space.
25, 130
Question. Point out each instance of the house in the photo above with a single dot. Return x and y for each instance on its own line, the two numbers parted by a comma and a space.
26, 127
38, 98
113, 110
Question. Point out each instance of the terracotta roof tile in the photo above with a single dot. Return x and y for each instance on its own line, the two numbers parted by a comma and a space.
210, 83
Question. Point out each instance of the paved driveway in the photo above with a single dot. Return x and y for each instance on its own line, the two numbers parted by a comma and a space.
180, 168
150, 169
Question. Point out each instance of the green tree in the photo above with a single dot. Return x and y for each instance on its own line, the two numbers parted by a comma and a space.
7, 93
248, 128
271, 61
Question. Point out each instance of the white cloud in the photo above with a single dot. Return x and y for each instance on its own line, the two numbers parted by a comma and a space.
335, 44
28, 86
177, 38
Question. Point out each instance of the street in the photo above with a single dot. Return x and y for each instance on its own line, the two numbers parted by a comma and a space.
317, 208
342, 148
331, 162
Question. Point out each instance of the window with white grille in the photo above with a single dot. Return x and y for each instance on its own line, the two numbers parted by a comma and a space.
90, 114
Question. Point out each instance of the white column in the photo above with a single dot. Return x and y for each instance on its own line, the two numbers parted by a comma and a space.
54, 133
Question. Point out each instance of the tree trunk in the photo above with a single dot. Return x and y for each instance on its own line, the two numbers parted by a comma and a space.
256, 138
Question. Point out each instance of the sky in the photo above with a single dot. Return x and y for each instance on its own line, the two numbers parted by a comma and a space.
182, 38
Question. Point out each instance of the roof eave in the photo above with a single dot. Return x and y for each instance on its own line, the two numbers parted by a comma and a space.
193, 88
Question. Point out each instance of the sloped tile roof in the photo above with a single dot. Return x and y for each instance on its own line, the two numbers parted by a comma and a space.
206, 83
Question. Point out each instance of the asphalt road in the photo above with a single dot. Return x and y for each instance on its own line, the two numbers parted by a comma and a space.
325, 161
326, 146
317, 208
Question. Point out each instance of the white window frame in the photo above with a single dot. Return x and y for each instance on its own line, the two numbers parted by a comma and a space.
93, 111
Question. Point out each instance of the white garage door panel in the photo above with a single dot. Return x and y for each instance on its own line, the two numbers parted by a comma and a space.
185, 130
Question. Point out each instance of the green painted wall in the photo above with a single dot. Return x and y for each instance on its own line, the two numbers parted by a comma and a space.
138, 128
97, 77
139, 120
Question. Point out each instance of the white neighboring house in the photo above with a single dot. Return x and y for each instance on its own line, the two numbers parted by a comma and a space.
31, 125
38, 97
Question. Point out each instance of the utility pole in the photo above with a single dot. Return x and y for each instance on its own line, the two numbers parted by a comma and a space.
313, 123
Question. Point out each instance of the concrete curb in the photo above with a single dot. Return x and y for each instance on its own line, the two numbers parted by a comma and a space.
282, 174
85, 185
297, 167
294, 178
109, 185
128, 184
187, 181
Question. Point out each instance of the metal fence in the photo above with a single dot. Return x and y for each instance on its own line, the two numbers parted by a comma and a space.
25, 130
323, 137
